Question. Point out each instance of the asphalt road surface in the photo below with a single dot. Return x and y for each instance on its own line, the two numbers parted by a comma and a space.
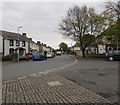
17, 70
100, 76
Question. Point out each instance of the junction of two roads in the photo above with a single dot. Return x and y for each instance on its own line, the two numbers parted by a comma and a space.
63, 79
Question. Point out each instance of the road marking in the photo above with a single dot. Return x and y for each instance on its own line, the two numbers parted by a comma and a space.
32, 75
22, 77
46, 71
61, 68
56, 69
40, 73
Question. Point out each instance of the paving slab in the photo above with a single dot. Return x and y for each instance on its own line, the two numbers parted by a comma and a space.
48, 89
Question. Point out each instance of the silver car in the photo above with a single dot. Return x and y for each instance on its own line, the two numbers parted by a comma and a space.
50, 54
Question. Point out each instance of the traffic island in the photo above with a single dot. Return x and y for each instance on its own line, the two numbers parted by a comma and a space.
48, 89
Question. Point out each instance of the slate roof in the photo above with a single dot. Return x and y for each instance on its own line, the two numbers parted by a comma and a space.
13, 36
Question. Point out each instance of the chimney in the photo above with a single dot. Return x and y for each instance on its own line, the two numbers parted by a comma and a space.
24, 34
30, 39
38, 42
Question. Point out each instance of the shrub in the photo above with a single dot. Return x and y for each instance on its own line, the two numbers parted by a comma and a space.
7, 58
10, 57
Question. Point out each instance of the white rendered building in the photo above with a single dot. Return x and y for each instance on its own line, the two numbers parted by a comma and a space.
10, 43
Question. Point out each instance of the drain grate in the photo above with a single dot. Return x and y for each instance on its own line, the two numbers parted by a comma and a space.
54, 83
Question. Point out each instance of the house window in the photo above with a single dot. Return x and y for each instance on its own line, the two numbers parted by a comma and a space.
17, 43
23, 43
11, 43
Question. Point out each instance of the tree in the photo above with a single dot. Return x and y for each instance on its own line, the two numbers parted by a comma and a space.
112, 34
82, 24
63, 46
114, 7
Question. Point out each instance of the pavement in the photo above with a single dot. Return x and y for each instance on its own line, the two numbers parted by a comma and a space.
99, 76
11, 62
48, 89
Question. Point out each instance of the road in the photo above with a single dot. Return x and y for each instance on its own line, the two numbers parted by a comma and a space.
17, 70
100, 76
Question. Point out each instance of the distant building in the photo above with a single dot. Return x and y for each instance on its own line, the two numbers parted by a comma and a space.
33, 47
9, 43
41, 45
49, 49
100, 49
44, 47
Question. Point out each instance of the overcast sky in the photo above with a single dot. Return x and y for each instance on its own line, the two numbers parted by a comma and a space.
40, 20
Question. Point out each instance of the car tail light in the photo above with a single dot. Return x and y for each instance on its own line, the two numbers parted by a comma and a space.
106, 54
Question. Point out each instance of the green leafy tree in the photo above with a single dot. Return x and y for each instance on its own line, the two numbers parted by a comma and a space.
88, 39
82, 24
63, 46
112, 34
113, 7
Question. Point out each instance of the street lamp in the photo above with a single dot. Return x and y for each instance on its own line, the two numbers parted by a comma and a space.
18, 41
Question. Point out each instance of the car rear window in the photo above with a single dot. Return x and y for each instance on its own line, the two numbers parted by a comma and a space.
110, 52
116, 51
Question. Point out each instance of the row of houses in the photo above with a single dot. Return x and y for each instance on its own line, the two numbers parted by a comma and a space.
11, 42
94, 49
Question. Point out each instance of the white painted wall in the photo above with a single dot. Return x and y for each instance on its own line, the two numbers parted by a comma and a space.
34, 46
45, 48
101, 49
79, 53
26, 47
7, 46
1, 44
91, 50
76, 48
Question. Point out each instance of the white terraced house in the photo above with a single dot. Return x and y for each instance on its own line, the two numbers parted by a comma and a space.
9, 43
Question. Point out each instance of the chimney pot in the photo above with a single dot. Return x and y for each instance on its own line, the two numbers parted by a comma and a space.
30, 39
38, 42
24, 34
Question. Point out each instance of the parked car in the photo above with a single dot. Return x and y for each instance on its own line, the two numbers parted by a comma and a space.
39, 56
113, 55
58, 53
50, 54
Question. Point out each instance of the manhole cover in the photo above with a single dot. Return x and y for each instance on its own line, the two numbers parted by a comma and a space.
54, 83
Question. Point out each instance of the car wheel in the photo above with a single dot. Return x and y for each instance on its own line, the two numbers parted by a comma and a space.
111, 58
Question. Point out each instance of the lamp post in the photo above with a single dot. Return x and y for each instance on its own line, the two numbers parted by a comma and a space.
18, 41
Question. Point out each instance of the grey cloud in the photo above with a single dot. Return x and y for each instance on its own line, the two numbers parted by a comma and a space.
39, 20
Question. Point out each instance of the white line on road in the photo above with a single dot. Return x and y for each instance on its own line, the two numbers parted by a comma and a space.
46, 71
22, 77
32, 75
62, 67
